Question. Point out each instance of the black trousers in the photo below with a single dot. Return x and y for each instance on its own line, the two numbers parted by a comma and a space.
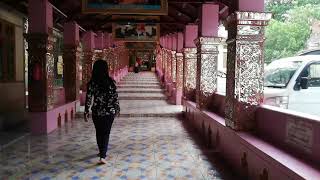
103, 126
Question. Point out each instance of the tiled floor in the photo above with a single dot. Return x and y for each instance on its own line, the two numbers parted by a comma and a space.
140, 148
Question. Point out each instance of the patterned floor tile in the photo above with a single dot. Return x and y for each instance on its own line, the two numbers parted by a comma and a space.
151, 148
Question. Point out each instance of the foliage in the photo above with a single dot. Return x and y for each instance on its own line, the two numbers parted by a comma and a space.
288, 32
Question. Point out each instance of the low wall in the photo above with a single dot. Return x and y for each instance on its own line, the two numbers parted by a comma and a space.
295, 132
46, 122
250, 156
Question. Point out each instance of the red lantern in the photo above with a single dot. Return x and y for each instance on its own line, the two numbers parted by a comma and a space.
36, 73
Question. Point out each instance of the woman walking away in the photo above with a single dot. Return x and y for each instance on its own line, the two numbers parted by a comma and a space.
102, 90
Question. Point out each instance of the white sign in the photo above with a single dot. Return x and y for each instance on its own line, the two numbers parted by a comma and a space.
300, 134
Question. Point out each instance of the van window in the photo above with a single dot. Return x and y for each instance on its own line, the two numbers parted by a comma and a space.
279, 73
314, 75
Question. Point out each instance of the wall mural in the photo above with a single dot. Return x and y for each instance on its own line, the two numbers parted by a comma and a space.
143, 29
150, 7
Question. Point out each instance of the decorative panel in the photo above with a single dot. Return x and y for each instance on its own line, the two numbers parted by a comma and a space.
244, 68
207, 68
179, 83
174, 66
87, 68
189, 72
71, 58
41, 72
169, 65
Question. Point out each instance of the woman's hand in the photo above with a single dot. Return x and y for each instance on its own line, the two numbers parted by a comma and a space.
86, 116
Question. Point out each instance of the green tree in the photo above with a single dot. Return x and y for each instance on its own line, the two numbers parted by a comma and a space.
285, 37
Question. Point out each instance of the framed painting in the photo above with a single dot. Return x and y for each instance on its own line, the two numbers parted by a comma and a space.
136, 29
144, 7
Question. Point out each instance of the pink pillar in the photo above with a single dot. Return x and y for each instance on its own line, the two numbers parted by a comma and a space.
245, 68
40, 40
207, 54
99, 45
179, 74
71, 61
190, 62
168, 57
173, 59
43, 114
89, 46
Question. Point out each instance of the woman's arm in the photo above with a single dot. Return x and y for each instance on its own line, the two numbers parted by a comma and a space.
114, 97
89, 97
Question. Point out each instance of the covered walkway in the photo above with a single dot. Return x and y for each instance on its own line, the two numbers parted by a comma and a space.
149, 141
197, 77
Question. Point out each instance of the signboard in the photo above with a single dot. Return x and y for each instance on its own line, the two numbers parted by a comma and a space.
136, 29
300, 134
147, 7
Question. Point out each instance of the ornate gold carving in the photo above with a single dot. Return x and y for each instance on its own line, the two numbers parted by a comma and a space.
207, 64
244, 67
173, 66
179, 75
189, 73
40, 50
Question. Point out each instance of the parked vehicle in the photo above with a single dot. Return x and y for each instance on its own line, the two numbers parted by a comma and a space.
309, 52
294, 83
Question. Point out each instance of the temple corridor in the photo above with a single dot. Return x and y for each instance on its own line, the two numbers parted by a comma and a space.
148, 141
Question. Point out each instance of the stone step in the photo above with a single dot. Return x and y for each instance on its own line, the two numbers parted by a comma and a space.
143, 98
139, 83
152, 115
137, 90
80, 115
138, 86
141, 80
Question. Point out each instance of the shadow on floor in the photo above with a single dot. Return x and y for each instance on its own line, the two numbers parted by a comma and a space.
213, 156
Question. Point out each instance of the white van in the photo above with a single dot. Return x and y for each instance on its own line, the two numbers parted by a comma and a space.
294, 83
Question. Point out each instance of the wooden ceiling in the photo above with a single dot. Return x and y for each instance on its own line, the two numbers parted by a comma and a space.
180, 13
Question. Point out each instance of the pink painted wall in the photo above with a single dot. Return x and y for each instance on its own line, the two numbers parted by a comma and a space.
170, 37
248, 5
46, 122
40, 16
99, 40
71, 33
111, 41
89, 41
174, 42
190, 34
272, 125
180, 42
106, 40
209, 20
260, 155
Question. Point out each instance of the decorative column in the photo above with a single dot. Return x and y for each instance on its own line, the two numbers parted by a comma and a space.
99, 45
190, 62
41, 61
89, 57
179, 75
173, 59
169, 60
71, 60
207, 55
245, 66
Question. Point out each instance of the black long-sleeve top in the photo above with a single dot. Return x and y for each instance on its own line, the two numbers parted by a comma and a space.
105, 101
